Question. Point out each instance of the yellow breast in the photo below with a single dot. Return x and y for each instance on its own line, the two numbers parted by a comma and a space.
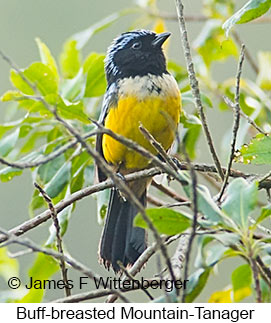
151, 100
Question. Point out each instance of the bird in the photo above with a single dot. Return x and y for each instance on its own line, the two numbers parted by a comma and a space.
140, 91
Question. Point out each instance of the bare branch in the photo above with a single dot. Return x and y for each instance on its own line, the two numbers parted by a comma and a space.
46, 159
126, 272
249, 120
195, 86
195, 219
255, 271
169, 192
158, 147
44, 216
58, 237
236, 121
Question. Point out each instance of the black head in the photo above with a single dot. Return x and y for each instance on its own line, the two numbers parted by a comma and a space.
135, 53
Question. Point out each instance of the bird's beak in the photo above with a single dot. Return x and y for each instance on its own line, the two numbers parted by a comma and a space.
160, 39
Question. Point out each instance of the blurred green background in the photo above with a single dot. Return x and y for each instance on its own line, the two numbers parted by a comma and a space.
53, 21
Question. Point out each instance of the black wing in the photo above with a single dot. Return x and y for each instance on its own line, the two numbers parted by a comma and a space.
110, 100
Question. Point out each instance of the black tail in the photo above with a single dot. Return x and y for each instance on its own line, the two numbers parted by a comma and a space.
120, 240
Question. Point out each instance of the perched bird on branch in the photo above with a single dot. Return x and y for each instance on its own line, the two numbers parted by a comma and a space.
140, 90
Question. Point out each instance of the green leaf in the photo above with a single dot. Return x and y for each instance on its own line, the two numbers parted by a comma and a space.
47, 171
66, 109
258, 151
96, 82
196, 283
8, 267
32, 140
191, 132
74, 88
42, 77
265, 213
36, 202
11, 96
47, 58
8, 143
102, 204
59, 181
43, 268
206, 204
241, 200
17, 80
264, 76
70, 59
73, 111
250, 11
79, 164
213, 45
241, 281
7, 173
187, 97
38, 74
166, 221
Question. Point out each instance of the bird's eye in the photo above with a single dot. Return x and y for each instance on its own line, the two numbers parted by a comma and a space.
137, 45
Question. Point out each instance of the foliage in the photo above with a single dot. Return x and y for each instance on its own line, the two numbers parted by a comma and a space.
74, 86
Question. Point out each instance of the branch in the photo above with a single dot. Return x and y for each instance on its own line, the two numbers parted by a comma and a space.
158, 147
53, 212
169, 192
48, 158
236, 121
195, 86
143, 259
44, 216
195, 219
249, 120
49, 252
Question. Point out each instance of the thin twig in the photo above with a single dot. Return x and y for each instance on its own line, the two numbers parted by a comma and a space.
178, 259
87, 191
236, 122
155, 201
230, 104
159, 267
169, 192
45, 159
158, 147
256, 279
265, 177
53, 212
195, 219
126, 272
195, 86
143, 259
264, 268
